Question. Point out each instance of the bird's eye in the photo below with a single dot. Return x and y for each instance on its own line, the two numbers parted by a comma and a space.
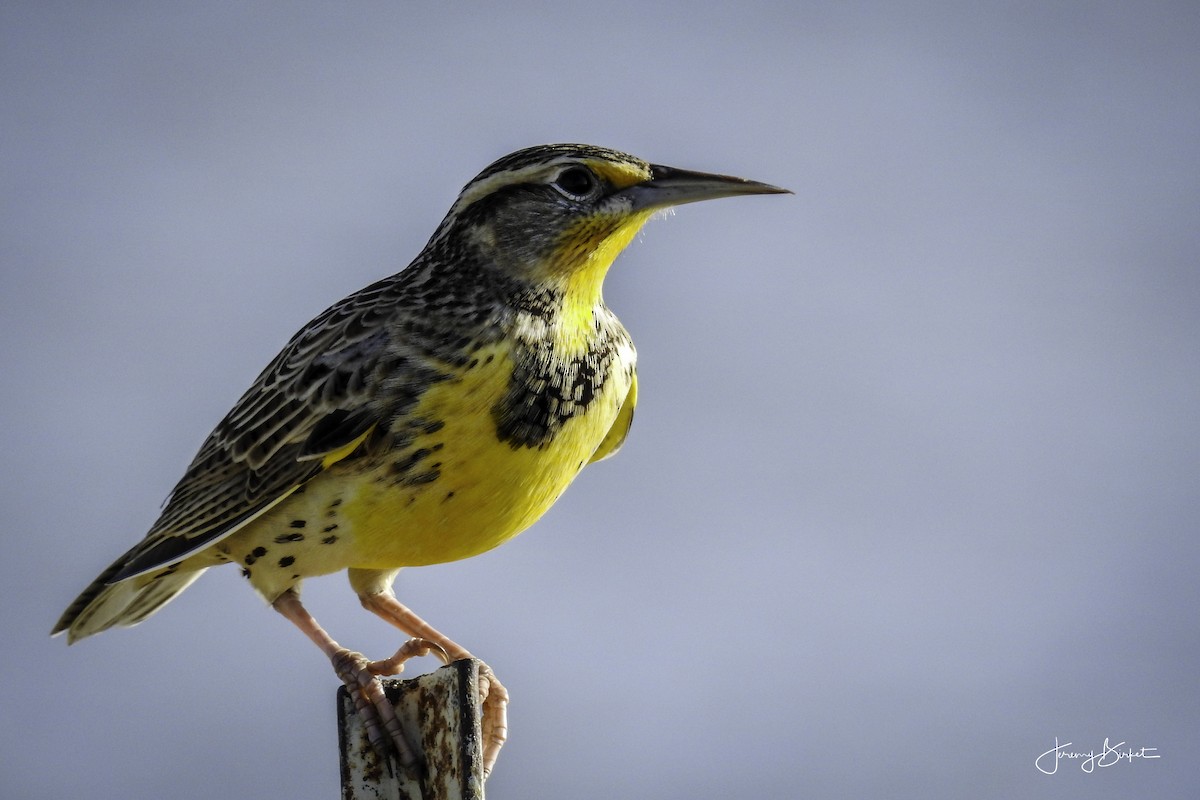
575, 182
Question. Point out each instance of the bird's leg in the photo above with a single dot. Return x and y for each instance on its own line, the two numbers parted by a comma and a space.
492, 693
354, 670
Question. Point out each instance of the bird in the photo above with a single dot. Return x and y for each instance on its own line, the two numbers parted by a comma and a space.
424, 419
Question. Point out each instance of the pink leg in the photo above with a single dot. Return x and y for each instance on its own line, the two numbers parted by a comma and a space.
492, 693
356, 672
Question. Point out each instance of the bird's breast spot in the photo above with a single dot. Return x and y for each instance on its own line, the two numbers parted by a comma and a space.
254, 555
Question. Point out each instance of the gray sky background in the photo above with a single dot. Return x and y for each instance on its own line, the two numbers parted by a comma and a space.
912, 488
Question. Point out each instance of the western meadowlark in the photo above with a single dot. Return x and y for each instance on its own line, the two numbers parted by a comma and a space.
427, 418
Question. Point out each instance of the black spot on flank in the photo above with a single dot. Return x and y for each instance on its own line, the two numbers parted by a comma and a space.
329, 528
289, 537
335, 502
245, 573
250, 559
286, 561
421, 478
329, 539
433, 427
405, 464
448, 496
299, 523
259, 552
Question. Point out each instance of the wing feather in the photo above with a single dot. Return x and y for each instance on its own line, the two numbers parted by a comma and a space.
312, 406
620, 428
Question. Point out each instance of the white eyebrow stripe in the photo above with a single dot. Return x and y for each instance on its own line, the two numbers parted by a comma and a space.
482, 188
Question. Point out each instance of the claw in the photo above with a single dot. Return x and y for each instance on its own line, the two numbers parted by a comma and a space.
371, 703
494, 699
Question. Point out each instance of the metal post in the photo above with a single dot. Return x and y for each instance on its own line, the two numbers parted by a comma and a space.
440, 715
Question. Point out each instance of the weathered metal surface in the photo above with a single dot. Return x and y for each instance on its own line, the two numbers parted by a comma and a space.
440, 716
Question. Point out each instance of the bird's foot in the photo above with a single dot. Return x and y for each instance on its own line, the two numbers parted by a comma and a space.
413, 648
376, 711
374, 591
493, 697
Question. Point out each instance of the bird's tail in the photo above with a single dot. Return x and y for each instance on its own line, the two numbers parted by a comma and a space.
104, 605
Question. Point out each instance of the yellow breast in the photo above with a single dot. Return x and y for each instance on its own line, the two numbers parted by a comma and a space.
467, 491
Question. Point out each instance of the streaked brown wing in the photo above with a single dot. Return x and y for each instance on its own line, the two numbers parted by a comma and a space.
316, 397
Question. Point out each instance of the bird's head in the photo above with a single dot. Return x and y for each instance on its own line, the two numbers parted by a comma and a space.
557, 215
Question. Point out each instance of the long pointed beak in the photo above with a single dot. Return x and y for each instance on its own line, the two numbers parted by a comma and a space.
669, 186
